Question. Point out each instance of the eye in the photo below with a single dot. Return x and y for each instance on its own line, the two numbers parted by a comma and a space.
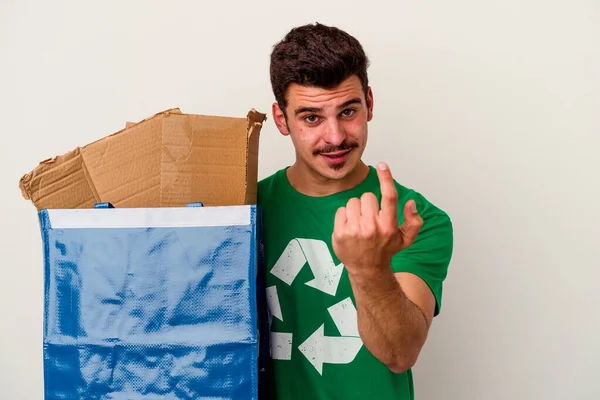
348, 112
311, 119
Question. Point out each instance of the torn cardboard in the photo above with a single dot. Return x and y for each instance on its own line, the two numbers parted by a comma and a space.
167, 160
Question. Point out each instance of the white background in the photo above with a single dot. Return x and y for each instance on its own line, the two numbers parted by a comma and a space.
489, 108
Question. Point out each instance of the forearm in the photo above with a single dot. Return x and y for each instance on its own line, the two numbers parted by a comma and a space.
391, 326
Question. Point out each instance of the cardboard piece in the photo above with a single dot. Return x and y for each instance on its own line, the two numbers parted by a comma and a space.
167, 160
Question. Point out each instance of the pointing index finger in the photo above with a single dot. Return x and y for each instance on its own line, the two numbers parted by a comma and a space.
389, 195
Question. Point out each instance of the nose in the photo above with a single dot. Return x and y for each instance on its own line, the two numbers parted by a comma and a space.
334, 134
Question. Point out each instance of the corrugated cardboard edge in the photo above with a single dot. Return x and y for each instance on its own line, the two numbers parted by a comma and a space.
255, 122
25, 183
164, 113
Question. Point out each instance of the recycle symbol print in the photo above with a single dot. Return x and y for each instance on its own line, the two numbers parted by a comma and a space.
318, 348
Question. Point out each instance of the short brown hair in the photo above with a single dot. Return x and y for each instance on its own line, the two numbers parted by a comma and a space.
316, 55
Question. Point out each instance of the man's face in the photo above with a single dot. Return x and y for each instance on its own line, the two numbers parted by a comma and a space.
328, 127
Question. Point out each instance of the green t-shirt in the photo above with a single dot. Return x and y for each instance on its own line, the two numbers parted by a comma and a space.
316, 350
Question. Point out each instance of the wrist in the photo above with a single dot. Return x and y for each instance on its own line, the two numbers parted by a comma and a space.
370, 273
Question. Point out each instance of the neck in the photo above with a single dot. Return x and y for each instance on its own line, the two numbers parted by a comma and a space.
310, 183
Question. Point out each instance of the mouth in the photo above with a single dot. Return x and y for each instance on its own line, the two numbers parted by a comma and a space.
336, 157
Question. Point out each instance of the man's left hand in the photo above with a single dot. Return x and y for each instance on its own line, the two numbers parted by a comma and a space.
365, 238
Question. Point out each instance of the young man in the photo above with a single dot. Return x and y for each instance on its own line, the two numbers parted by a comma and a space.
355, 261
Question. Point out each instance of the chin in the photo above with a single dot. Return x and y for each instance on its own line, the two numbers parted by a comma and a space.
337, 171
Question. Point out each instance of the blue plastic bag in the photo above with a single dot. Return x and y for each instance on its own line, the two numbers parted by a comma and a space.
157, 303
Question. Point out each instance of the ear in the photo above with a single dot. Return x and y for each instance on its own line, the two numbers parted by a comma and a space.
370, 104
279, 118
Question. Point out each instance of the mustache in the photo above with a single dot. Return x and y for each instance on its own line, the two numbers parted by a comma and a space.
331, 149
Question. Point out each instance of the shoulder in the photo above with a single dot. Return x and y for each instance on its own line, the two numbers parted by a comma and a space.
437, 224
425, 207
436, 237
267, 183
267, 187
430, 255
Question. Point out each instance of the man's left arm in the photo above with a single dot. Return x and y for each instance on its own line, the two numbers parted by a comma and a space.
394, 310
394, 315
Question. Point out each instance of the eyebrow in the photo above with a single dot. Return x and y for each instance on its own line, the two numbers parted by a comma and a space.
301, 110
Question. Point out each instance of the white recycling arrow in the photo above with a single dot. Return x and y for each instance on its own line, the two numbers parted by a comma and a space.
273, 303
314, 252
345, 317
281, 346
320, 349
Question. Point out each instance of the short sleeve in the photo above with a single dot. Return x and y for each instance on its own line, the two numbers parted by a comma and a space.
429, 256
